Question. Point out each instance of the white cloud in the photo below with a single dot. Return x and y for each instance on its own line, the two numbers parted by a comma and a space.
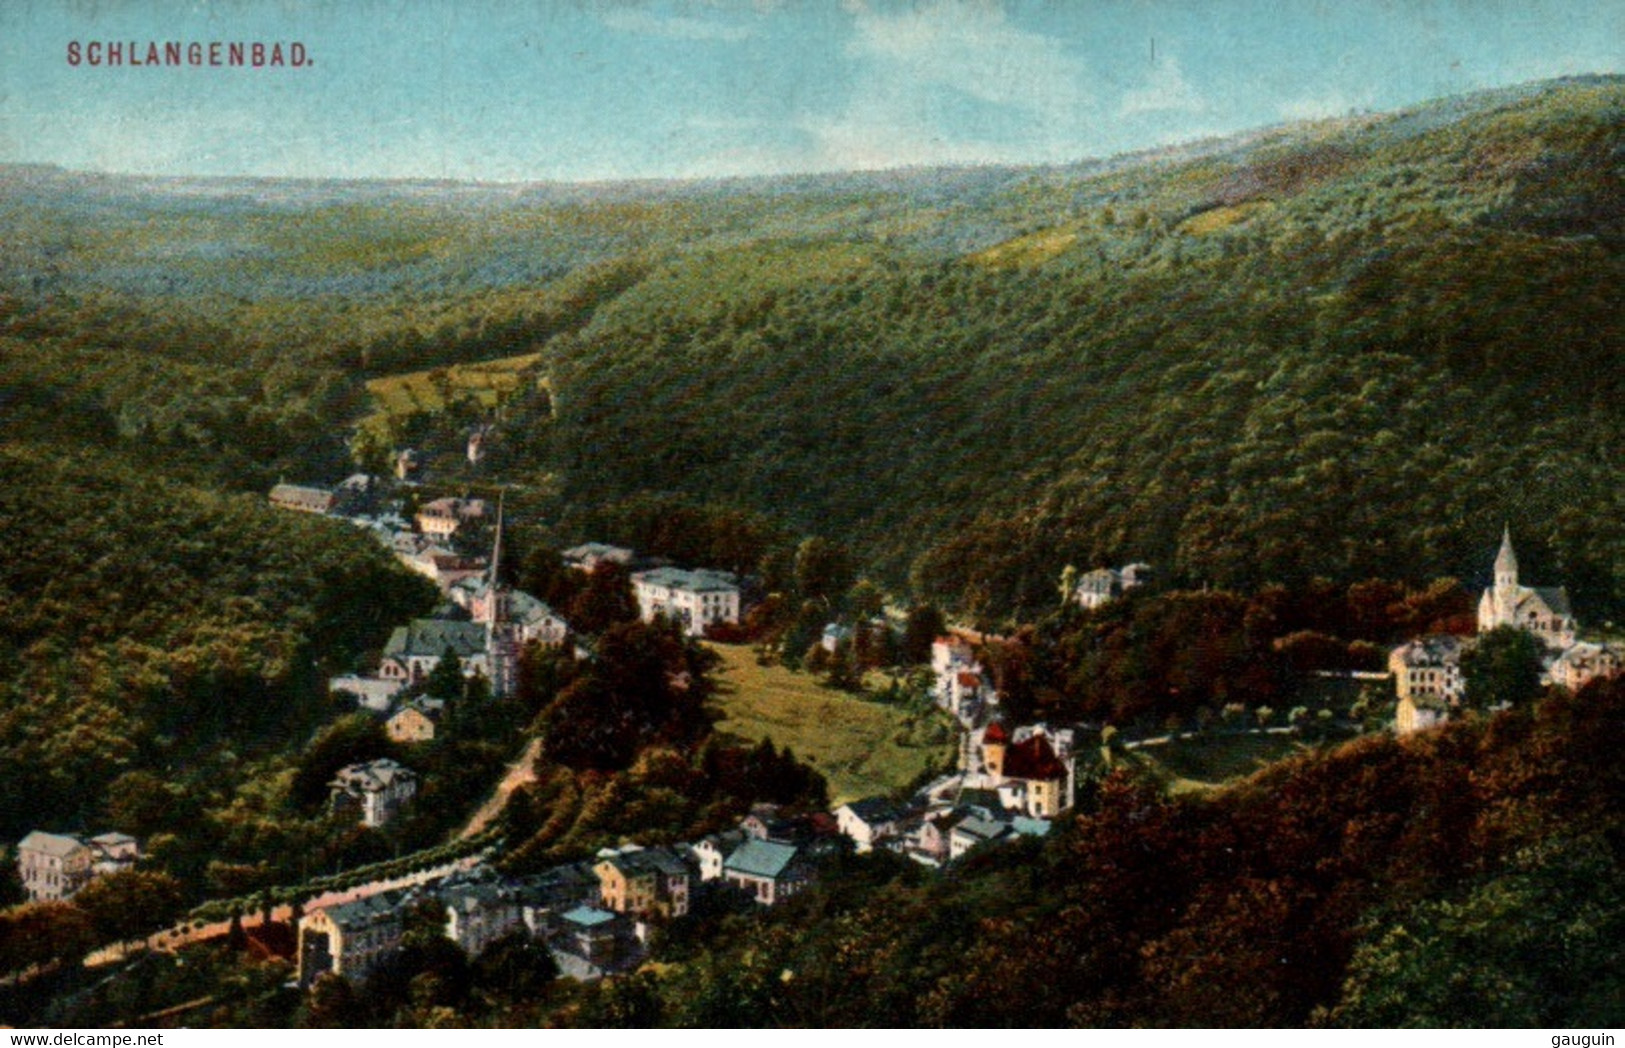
1167, 91
971, 46
644, 22
1020, 93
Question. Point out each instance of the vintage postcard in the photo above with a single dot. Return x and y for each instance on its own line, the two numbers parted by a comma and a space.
786, 513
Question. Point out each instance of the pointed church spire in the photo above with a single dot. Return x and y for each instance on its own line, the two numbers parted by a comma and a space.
1506, 562
501, 639
493, 588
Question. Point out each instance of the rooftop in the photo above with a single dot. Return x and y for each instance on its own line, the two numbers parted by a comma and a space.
1033, 758
588, 916
761, 858
57, 844
699, 581
434, 636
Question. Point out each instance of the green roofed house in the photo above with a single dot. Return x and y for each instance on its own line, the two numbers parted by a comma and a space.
768, 870
414, 650
587, 942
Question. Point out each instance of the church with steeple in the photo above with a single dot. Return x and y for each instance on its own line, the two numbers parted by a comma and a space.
1541, 610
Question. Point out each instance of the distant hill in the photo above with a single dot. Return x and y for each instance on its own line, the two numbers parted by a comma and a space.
1342, 348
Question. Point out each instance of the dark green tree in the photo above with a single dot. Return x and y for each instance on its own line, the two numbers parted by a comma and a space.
131, 903
515, 968
923, 626
446, 680
1502, 669
606, 600
332, 1004
824, 571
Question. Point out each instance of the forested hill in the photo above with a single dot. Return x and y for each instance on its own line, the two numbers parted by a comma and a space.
1348, 348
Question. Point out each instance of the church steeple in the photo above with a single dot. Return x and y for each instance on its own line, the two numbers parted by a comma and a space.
495, 613
501, 640
1506, 564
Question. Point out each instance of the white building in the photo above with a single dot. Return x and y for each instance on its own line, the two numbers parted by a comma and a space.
694, 599
55, 865
1585, 662
375, 791
441, 518
1101, 585
962, 686
588, 555
1427, 678
477, 915
866, 822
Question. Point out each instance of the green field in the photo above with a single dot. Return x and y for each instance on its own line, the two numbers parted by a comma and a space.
433, 389
488, 381
1210, 760
861, 747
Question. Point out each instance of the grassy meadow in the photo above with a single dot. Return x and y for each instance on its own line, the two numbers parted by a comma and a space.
861, 747
1210, 760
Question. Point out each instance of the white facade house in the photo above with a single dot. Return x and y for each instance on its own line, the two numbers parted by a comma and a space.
1428, 681
1429, 668
1584, 663
962, 687
866, 822
55, 865
477, 915
1102, 585
693, 599
375, 791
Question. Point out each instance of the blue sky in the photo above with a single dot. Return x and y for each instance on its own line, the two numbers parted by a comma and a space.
581, 90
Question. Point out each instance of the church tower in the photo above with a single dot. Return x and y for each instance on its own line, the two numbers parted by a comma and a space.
1542, 610
1506, 570
501, 639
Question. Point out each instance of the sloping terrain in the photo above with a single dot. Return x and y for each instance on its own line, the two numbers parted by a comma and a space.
1354, 347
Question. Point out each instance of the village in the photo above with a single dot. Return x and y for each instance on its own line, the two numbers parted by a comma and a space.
600, 915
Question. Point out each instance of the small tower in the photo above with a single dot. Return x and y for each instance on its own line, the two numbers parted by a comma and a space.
994, 742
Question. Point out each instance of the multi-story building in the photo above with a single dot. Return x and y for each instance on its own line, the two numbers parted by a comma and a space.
643, 882
441, 518
55, 865
695, 600
374, 792
350, 939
